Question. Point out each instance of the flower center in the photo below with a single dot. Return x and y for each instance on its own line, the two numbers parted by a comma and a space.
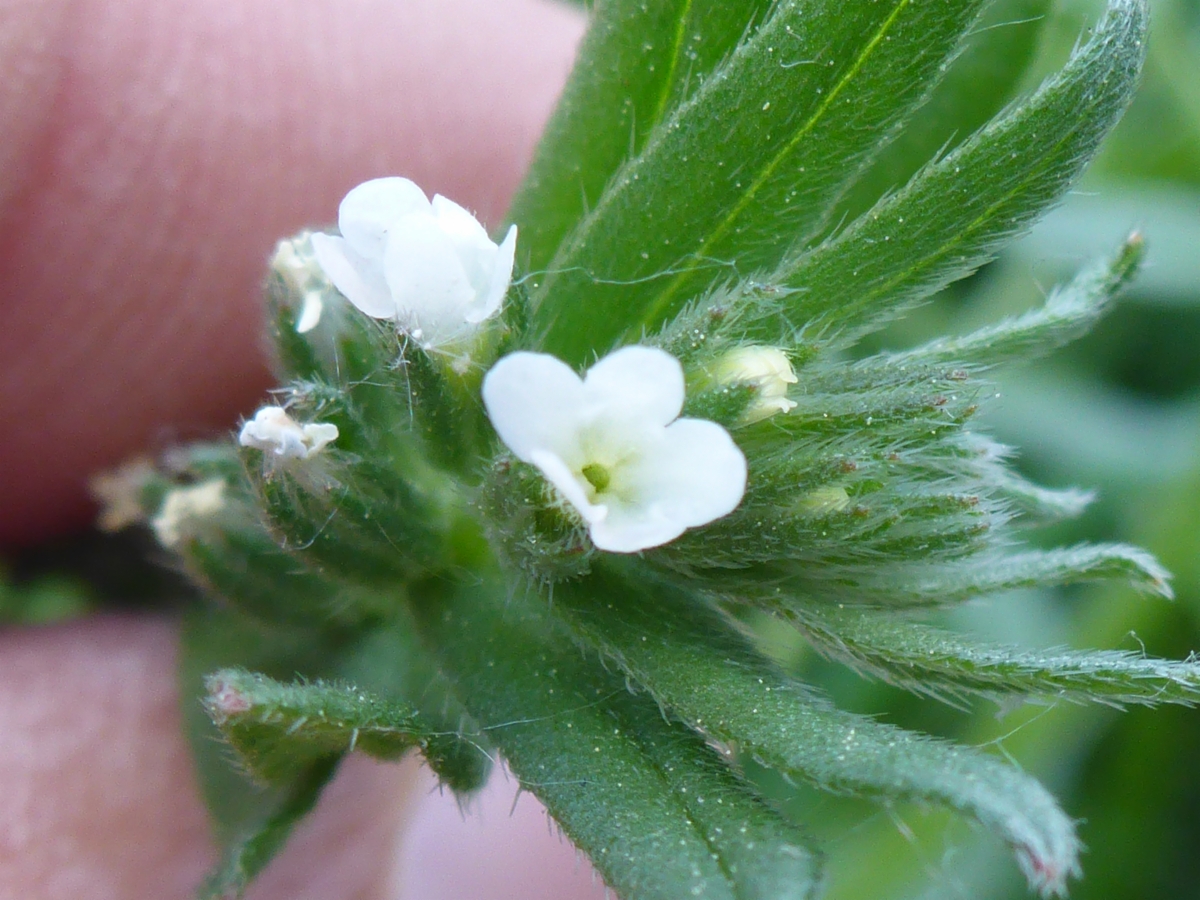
597, 475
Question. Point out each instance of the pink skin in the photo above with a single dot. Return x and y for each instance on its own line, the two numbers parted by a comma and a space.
153, 151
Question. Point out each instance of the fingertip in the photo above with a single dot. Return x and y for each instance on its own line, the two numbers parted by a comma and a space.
183, 138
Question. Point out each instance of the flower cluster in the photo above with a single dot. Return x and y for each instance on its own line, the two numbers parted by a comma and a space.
612, 443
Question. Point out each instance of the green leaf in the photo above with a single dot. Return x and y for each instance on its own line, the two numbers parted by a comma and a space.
251, 820
657, 810
920, 584
392, 663
942, 665
279, 730
1038, 504
759, 152
692, 661
985, 76
954, 215
248, 853
637, 61
1068, 314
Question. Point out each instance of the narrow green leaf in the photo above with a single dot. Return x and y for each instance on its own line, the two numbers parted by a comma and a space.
758, 153
955, 214
250, 851
988, 461
692, 661
658, 811
279, 729
391, 663
985, 76
251, 819
1068, 314
918, 584
939, 664
637, 62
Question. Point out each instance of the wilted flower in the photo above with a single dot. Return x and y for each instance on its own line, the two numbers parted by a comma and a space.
430, 266
611, 443
274, 432
183, 507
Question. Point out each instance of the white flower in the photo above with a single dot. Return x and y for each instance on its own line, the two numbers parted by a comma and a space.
611, 443
274, 432
429, 266
184, 508
766, 367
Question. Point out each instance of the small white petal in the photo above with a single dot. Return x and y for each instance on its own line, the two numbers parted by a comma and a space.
310, 312
647, 381
534, 401
427, 279
360, 281
318, 434
696, 473
460, 224
559, 474
499, 279
367, 213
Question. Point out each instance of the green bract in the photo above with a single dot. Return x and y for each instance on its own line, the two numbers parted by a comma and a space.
751, 187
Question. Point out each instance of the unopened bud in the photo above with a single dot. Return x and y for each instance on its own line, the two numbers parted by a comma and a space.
768, 370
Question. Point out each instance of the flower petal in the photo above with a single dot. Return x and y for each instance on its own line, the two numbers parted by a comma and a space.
368, 212
534, 401
459, 223
488, 301
629, 529
426, 277
644, 383
694, 474
359, 280
559, 474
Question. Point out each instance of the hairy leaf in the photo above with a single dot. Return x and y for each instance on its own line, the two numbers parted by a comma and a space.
1068, 314
954, 215
942, 584
985, 76
637, 62
693, 663
658, 811
758, 153
280, 728
939, 664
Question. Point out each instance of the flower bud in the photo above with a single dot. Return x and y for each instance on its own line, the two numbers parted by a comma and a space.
768, 370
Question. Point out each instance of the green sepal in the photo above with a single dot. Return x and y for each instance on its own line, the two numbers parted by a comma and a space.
281, 729
251, 820
248, 853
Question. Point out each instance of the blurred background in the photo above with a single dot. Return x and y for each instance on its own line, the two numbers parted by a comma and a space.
1118, 412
